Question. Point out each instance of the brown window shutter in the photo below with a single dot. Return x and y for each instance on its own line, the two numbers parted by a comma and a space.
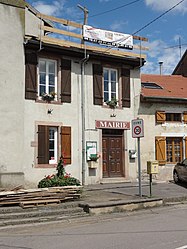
160, 117
43, 144
31, 75
66, 143
125, 79
97, 84
160, 143
66, 81
185, 117
185, 147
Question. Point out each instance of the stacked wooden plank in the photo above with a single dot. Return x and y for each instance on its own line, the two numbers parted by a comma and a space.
39, 197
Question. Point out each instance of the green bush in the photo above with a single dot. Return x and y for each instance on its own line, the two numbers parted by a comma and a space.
59, 179
56, 181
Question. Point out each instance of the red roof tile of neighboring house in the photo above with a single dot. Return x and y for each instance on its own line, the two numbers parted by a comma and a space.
173, 87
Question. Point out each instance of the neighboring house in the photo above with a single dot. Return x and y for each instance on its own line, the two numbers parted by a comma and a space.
181, 68
77, 121
164, 110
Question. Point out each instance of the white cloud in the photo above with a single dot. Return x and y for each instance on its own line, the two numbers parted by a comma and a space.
160, 51
118, 26
162, 5
49, 9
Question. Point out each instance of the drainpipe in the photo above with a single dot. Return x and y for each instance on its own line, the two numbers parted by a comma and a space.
83, 61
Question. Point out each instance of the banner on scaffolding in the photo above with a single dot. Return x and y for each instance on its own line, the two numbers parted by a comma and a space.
107, 38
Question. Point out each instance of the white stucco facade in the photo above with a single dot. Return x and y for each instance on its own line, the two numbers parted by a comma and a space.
20, 116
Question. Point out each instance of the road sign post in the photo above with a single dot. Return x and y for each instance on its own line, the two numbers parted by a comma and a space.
138, 132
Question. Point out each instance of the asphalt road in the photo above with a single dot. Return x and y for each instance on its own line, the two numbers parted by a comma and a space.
159, 228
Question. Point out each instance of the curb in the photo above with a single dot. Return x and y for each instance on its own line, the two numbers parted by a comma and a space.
120, 206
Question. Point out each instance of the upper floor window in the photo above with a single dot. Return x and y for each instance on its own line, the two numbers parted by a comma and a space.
162, 117
106, 85
41, 77
173, 117
47, 77
110, 84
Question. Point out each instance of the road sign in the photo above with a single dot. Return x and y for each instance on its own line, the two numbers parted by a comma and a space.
137, 128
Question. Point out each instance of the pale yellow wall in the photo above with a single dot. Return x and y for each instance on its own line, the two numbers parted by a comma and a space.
151, 129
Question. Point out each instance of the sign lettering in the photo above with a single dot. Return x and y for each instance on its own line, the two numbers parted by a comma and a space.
112, 124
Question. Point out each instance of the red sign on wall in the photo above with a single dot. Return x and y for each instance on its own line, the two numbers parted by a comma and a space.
112, 124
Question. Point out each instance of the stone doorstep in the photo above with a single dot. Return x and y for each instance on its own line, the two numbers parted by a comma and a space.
120, 206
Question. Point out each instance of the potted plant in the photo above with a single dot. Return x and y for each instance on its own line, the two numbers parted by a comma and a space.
94, 158
112, 103
48, 96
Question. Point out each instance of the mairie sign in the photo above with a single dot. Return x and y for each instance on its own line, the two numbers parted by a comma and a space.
112, 124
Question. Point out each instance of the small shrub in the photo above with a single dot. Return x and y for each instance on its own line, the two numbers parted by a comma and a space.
60, 179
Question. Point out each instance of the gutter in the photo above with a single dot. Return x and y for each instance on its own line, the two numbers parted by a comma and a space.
163, 99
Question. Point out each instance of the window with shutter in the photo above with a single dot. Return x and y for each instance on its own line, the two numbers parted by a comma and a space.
43, 144
47, 144
45, 84
66, 81
160, 144
160, 117
31, 75
97, 84
106, 87
66, 143
185, 117
186, 147
125, 80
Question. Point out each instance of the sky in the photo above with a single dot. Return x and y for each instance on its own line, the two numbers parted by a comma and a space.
165, 29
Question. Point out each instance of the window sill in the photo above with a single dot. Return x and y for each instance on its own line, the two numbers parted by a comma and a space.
54, 102
45, 166
108, 107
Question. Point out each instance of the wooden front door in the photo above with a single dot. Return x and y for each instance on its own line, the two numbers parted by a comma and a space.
112, 146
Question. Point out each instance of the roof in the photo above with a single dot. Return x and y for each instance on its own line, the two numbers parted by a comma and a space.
180, 64
170, 87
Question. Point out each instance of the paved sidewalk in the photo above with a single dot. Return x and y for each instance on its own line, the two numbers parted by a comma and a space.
123, 195
128, 191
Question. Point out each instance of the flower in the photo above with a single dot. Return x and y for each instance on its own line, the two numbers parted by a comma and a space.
112, 103
48, 96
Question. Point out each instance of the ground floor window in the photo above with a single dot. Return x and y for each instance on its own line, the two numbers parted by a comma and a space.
169, 149
53, 141
173, 149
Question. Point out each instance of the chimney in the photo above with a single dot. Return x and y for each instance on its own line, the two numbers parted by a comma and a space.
160, 63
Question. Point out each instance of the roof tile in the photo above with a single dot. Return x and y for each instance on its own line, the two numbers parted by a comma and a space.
174, 86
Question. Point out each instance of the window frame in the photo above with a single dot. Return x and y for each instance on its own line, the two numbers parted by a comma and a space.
109, 70
63, 144
173, 149
172, 117
55, 129
47, 76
